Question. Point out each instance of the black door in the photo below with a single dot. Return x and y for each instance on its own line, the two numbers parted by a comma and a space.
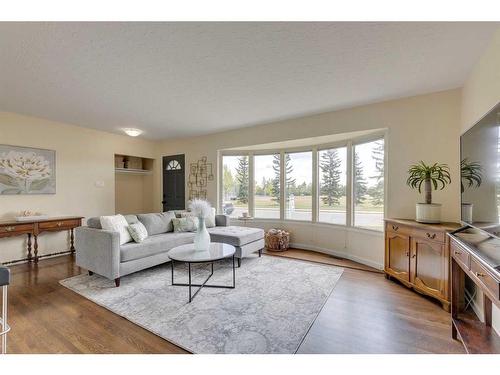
173, 183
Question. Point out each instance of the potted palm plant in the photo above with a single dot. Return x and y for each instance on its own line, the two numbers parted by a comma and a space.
471, 176
435, 176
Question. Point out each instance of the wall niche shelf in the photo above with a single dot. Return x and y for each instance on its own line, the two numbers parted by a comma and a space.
134, 184
133, 171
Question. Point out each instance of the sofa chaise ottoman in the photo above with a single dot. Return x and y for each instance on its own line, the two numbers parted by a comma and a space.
99, 251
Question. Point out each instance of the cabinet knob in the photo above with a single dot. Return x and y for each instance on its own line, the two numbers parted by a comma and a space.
407, 253
414, 255
9, 229
59, 223
431, 236
457, 252
479, 274
395, 227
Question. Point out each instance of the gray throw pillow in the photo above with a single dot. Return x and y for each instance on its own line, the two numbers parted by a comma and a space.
157, 223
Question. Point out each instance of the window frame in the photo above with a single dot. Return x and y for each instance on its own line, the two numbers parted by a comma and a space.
349, 143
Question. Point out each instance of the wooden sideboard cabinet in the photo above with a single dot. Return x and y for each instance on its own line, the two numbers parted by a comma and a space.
418, 255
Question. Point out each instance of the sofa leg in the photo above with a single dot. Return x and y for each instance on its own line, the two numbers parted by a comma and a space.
91, 273
260, 253
117, 282
239, 262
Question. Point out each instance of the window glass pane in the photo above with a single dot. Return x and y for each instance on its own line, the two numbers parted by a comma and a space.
267, 186
368, 186
298, 185
235, 185
332, 178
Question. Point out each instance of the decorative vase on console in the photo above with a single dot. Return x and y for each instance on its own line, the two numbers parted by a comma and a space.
201, 209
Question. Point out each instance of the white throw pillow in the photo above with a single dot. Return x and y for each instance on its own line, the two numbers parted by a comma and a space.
116, 223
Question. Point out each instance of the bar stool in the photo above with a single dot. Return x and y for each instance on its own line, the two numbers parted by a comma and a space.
4, 327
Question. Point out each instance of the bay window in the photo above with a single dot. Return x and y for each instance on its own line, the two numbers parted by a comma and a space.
340, 184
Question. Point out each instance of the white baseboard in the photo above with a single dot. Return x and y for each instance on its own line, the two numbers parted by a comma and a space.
340, 254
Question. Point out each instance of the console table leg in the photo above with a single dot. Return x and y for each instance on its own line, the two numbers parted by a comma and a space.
36, 249
72, 240
29, 248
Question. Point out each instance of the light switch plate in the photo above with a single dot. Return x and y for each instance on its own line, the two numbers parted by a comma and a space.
99, 184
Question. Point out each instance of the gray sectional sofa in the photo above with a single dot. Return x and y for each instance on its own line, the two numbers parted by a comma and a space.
99, 251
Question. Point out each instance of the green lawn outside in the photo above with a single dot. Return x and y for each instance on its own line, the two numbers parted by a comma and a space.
305, 203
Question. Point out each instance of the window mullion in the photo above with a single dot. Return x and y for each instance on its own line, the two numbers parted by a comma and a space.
282, 185
251, 187
350, 185
315, 195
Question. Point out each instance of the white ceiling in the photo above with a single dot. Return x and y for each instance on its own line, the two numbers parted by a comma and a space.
183, 79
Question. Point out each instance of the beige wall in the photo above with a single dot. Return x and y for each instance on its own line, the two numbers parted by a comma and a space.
133, 193
83, 157
481, 92
419, 128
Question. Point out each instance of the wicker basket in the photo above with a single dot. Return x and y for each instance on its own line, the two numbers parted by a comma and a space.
277, 240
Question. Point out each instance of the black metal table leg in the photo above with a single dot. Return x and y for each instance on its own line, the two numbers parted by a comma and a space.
190, 284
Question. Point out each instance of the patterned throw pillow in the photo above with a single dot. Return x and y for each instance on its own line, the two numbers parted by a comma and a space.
209, 220
185, 224
138, 231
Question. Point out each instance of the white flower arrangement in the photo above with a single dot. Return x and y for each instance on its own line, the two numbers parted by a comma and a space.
200, 208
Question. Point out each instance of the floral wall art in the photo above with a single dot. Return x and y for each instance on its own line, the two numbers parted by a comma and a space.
25, 170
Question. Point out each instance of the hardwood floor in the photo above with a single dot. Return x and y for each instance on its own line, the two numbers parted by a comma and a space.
365, 314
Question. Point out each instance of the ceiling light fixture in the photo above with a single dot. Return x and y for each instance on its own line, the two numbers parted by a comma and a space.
132, 132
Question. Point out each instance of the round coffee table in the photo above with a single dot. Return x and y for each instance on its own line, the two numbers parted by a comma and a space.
187, 254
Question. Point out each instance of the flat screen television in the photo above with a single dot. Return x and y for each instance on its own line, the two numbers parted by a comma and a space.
480, 174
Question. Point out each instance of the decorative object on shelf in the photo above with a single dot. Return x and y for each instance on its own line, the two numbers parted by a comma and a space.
200, 173
435, 176
201, 209
277, 240
28, 215
472, 174
26, 170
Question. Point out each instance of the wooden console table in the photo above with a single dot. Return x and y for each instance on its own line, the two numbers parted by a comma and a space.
477, 256
35, 227
418, 255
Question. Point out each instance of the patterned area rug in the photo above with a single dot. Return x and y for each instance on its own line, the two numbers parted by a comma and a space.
271, 309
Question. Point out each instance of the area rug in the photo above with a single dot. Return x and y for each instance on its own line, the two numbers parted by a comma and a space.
271, 309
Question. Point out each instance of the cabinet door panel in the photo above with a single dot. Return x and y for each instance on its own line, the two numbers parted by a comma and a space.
429, 267
397, 256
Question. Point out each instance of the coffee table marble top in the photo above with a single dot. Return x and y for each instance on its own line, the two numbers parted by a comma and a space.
187, 253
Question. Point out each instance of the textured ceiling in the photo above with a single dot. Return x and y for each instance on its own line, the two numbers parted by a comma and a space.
183, 79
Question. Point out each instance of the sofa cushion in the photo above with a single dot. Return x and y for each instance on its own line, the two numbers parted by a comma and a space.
95, 222
236, 236
157, 223
154, 245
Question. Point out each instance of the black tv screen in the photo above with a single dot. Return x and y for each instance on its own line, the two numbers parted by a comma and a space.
480, 173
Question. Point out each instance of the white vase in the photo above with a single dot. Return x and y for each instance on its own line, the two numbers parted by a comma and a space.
429, 213
202, 237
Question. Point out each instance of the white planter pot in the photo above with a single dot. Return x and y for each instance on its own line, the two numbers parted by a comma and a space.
467, 212
428, 213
